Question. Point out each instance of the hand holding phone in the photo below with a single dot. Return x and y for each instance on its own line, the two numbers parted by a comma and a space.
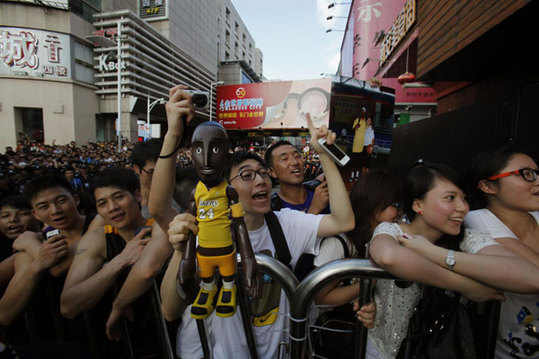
334, 152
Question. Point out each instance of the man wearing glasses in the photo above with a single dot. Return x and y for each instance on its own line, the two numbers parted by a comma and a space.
250, 179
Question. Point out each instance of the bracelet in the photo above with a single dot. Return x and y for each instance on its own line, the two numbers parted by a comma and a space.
173, 152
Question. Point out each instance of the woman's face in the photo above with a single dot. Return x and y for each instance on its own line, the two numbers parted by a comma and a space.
513, 191
444, 207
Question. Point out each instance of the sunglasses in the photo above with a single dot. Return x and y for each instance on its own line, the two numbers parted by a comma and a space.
528, 174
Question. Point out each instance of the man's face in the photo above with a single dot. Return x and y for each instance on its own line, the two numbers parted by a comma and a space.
118, 207
56, 207
288, 165
14, 221
254, 195
210, 154
145, 173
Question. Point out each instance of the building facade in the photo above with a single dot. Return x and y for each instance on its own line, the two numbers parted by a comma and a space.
59, 64
474, 55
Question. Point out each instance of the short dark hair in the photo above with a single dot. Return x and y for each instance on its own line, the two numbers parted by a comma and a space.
268, 157
42, 183
420, 180
118, 177
241, 156
146, 151
18, 202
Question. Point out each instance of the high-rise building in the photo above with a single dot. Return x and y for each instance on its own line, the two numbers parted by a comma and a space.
60, 61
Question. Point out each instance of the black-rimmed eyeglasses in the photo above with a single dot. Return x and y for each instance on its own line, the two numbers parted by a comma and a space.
249, 175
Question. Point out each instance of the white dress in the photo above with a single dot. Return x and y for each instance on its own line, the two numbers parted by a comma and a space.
394, 306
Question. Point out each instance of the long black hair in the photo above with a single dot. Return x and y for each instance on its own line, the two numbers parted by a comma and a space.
375, 191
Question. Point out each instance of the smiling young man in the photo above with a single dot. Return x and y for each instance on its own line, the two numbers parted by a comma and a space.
250, 178
40, 269
105, 255
286, 164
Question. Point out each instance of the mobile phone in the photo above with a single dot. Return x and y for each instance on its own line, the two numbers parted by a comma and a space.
52, 232
335, 152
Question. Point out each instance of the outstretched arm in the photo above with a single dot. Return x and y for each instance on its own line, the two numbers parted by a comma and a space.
7, 270
493, 265
407, 264
163, 180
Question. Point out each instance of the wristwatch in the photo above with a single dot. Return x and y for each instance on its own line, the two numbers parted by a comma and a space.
450, 259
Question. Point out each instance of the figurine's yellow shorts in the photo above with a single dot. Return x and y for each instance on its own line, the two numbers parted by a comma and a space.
226, 265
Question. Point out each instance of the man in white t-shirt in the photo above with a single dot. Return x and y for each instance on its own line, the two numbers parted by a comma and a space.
249, 177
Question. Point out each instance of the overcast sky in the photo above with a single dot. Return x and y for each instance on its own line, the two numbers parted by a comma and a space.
292, 35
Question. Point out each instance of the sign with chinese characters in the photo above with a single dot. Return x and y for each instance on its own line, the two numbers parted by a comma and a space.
152, 9
398, 31
28, 52
411, 94
274, 105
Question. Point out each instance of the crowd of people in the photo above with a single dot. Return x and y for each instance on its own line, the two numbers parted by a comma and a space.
93, 242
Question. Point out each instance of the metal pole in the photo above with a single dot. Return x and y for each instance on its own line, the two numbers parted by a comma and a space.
147, 132
211, 99
119, 84
315, 281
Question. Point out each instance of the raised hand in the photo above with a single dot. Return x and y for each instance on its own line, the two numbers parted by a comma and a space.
179, 105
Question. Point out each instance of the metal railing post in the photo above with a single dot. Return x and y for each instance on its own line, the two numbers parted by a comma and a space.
315, 281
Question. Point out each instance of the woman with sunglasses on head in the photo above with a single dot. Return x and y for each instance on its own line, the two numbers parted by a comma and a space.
436, 207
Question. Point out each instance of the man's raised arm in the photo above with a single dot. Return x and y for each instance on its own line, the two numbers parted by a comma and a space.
341, 218
163, 181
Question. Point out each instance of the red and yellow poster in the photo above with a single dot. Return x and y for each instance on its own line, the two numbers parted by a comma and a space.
274, 105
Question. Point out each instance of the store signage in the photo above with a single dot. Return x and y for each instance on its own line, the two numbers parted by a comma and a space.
398, 31
152, 9
105, 63
27, 52
274, 105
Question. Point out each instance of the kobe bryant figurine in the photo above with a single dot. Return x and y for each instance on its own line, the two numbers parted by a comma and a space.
221, 228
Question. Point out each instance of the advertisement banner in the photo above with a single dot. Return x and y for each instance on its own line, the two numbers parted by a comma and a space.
370, 20
411, 94
27, 52
274, 105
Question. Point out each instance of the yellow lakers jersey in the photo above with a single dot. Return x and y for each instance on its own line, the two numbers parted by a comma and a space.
213, 216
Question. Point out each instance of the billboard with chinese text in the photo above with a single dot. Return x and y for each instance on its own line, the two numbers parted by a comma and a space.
28, 52
274, 105
374, 30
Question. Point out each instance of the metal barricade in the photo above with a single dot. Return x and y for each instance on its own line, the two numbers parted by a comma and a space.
314, 282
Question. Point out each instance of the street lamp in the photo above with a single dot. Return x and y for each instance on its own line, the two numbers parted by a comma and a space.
149, 107
119, 85
330, 30
216, 83
336, 17
337, 3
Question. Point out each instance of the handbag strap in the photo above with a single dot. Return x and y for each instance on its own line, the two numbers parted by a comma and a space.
282, 252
